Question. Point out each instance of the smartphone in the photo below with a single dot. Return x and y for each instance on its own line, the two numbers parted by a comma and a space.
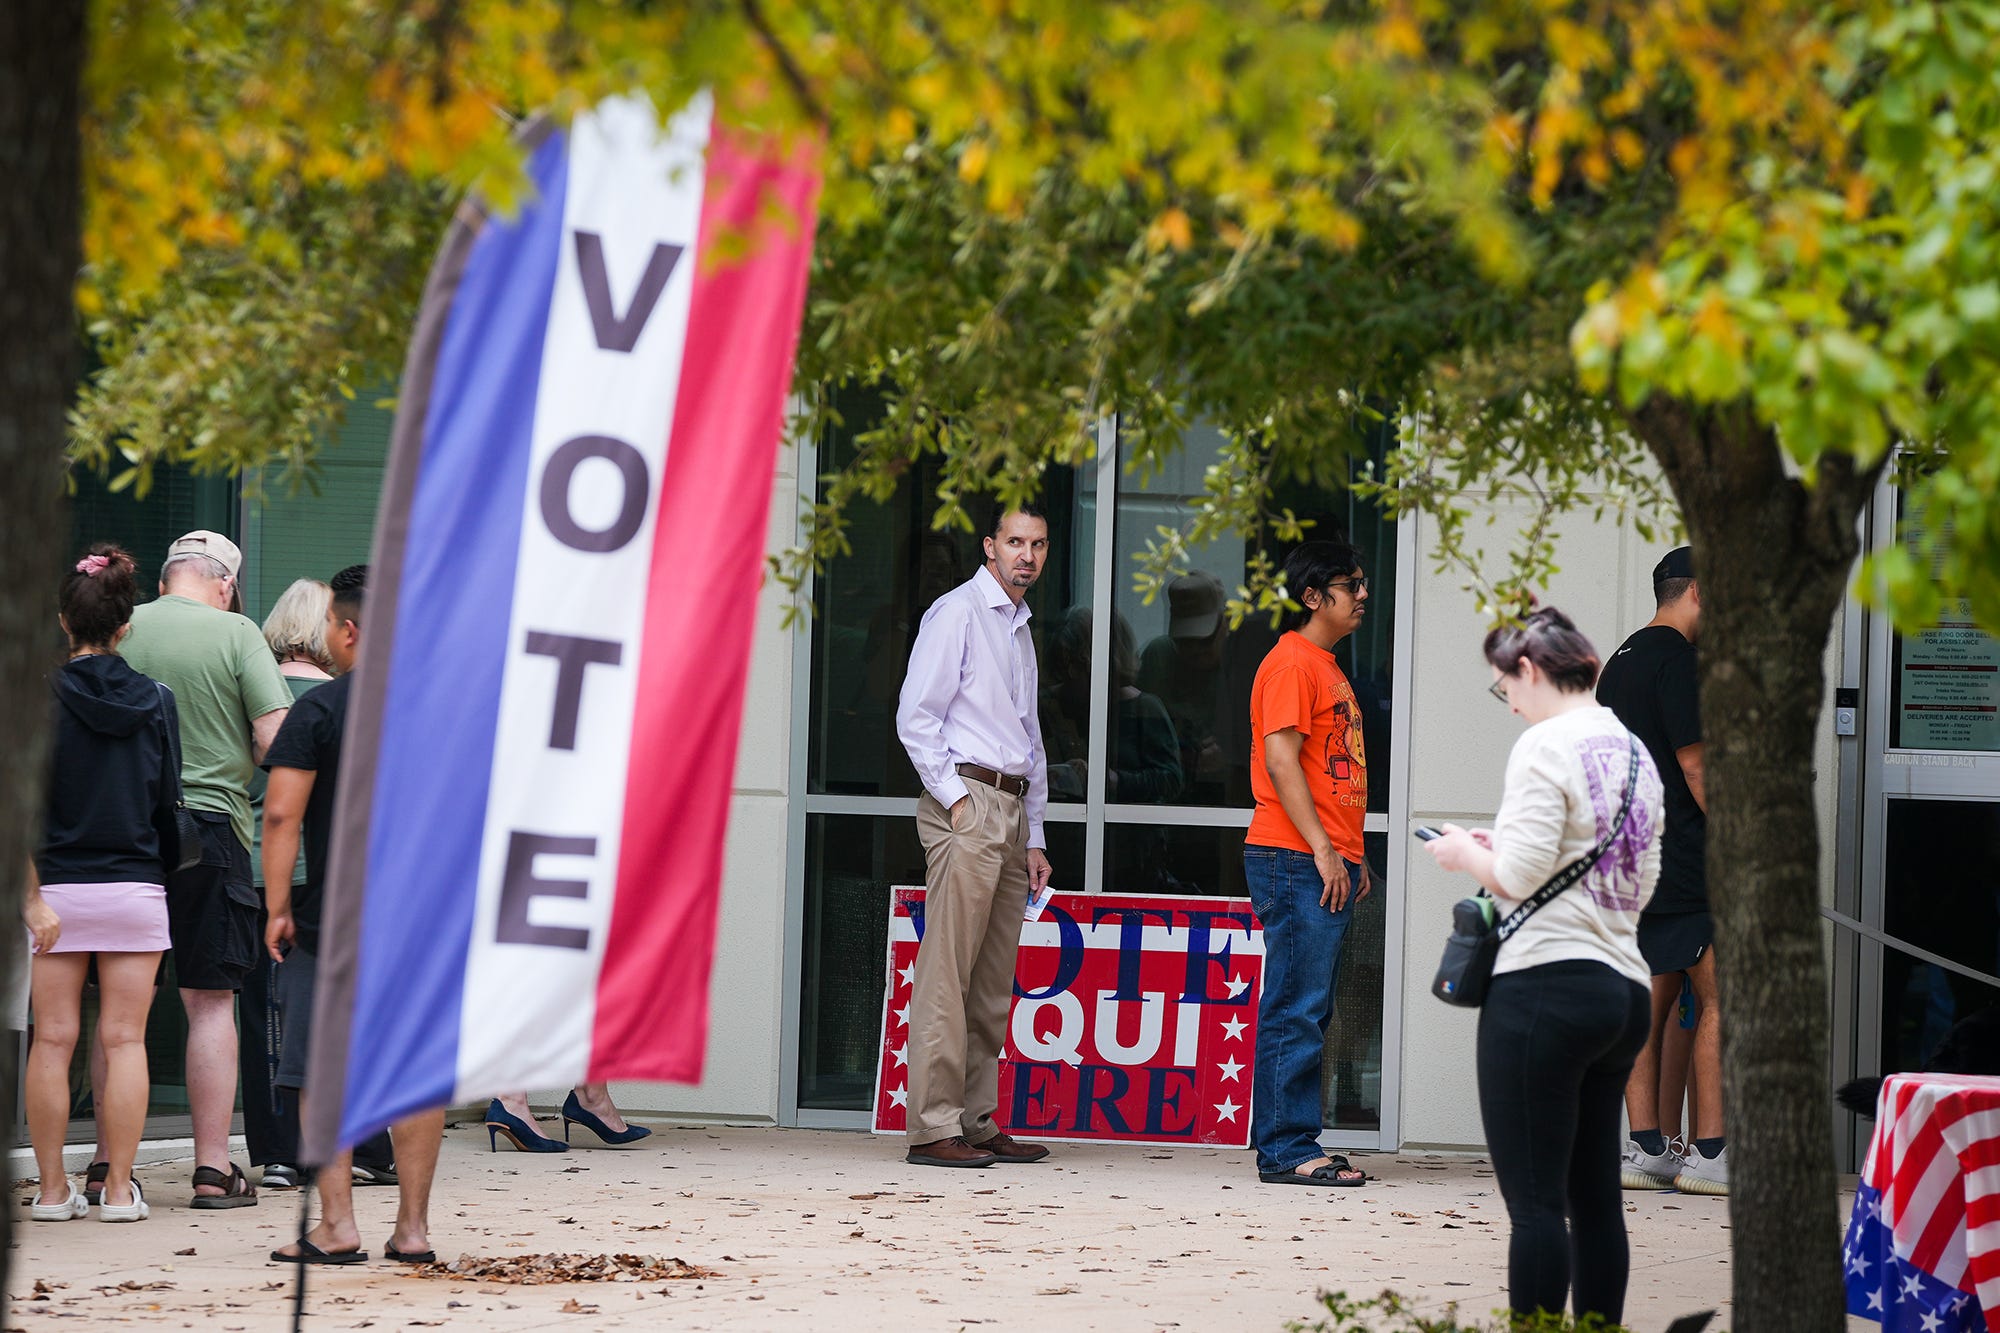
1425, 833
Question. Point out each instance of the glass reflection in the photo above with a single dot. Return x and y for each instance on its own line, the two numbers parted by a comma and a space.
1145, 754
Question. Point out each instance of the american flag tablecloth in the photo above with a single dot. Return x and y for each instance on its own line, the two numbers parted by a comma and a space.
1923, 1246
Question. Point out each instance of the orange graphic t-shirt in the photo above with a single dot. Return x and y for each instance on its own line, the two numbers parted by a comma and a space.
1301, 687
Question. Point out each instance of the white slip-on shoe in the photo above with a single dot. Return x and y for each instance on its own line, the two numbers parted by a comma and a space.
73, 1206
1704, 1175
135, 1211
1642, 1170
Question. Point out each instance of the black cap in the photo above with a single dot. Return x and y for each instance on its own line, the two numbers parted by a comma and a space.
1675, 564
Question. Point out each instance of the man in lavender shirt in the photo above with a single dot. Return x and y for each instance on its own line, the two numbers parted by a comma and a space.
968, 718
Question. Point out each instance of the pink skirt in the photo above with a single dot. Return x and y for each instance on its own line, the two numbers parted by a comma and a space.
109, 918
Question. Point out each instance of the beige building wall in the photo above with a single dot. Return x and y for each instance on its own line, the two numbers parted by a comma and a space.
1459, 741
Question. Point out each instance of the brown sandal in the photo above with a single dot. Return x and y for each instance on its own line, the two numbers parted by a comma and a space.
238, 1192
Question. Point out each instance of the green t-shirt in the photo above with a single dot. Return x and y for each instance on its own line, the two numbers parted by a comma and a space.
223, 678
300, 687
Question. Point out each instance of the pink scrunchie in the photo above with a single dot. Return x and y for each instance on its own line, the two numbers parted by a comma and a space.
92, 565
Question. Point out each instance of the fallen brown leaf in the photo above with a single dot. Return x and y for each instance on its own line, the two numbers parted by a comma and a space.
543, 1269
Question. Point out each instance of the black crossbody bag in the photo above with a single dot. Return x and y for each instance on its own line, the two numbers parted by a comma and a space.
1469, 953
187, 828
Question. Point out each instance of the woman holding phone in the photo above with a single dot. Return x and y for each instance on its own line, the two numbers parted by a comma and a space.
1567, 1009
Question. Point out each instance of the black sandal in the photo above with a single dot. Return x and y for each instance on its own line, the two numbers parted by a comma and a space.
93, 1182
409, 1257
310, 1253
238, 1192
1330, 1174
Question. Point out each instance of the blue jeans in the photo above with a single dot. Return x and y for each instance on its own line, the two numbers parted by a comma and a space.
1301, 962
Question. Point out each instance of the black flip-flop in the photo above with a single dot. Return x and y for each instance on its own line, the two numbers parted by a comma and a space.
310, 1253
413, 1257
1328, 1175
94, 1177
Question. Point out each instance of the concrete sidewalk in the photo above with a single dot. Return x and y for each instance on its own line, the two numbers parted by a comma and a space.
825, 1231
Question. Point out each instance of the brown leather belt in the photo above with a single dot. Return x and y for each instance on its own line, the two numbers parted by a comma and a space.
1006, 782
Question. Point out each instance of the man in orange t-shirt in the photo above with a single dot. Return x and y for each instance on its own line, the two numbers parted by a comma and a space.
1303, 856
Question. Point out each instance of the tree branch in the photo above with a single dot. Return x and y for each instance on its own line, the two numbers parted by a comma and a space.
753, 13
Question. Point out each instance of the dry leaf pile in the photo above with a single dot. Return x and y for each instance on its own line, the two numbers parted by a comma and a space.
532, 1270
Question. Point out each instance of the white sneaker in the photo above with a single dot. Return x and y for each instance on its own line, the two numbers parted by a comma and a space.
73, 1206
1704, 1175
135, 1211
1642, 1170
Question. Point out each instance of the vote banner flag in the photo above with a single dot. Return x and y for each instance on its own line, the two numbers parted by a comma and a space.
1134, 1019
1922, 1251
528, 844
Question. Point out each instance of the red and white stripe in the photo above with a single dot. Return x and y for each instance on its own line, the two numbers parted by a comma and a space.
1935, 1158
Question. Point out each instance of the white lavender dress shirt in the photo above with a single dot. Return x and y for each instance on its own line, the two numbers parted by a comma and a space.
970, 696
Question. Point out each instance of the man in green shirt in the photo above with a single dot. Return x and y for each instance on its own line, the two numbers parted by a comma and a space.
232, 700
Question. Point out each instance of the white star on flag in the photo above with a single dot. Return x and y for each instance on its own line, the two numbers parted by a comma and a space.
1875, 1299
1931, 1322
1228, 1109
1230, 1069
1232, 1028
1913, 1285
902, 1015
906, 976
902, 1054
900, 1097
1859, 1264
1237, 985
1868, 1207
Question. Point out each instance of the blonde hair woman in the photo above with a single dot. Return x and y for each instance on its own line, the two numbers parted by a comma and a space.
296, 631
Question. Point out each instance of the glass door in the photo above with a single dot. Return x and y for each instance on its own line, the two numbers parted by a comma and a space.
1930, 826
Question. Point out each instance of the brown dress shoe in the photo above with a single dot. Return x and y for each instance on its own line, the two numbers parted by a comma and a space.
1005, 1149
953, 1151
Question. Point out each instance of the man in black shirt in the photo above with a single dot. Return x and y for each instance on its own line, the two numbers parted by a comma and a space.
305, 775
1650, 684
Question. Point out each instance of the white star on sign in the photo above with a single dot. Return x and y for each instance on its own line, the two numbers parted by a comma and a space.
1931, 1322
1228, 1109
1237, 985
1913, 1285
902, 1015
1230, 1069
1875, 1299
1232, 1028
906, 976
902, 1054
899, 1097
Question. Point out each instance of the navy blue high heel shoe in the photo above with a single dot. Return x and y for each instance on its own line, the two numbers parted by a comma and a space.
518, 1131
574, 1114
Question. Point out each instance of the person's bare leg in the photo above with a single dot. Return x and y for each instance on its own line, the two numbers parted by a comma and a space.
596, 1099
335, 1231
211, 1075
1642, 1088
97, 1081
1707, 1061
124, 997
1676, 1046
57, 990
516, 1103
417, 1141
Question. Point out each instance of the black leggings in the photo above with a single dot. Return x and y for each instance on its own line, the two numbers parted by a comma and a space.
1555, 1045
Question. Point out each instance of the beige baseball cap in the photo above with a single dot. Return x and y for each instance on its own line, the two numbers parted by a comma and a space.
213, 545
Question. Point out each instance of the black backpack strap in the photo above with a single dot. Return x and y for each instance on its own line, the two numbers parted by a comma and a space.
1580, 867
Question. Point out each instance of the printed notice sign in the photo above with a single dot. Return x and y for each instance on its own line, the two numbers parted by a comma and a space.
1947, 677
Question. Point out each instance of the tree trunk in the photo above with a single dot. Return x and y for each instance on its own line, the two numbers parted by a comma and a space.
1772, 560
41, 68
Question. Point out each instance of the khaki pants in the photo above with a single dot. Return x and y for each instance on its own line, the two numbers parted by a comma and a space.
976, 890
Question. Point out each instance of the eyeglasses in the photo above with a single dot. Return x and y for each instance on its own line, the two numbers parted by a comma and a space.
1498, 689
1355, 586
